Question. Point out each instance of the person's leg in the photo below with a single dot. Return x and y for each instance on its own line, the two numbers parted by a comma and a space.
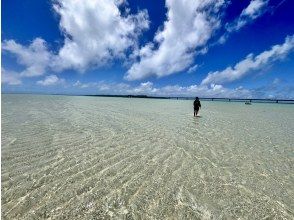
196, 110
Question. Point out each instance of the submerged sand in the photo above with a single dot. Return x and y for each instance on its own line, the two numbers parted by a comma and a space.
66, 157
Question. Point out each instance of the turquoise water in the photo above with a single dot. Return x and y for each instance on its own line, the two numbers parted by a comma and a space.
70, 157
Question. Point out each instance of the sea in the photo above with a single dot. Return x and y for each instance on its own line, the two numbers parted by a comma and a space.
79, 157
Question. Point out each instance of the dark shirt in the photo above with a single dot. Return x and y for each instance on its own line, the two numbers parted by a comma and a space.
197, 104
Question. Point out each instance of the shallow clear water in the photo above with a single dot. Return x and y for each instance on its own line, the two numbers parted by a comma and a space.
67, 157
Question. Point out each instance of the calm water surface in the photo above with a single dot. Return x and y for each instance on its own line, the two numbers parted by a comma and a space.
66, 157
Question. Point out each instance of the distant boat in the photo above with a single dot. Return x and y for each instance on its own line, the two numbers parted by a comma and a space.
247, 103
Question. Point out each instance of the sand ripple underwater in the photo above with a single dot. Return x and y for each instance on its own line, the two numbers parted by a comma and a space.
74, 157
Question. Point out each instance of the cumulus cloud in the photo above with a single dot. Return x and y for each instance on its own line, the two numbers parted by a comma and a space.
189, 25
276, 89
148, 88
84, 85
144, 88
35, 57
96, 32
50, 81
213, 90
251, 63
101, 86
254, 10
10, 77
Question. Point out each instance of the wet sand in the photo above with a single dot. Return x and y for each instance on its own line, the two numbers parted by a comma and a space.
67, 157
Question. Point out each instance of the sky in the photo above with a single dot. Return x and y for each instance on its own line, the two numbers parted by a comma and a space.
205, 48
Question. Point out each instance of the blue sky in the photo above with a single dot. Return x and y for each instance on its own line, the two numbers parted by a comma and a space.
207, 48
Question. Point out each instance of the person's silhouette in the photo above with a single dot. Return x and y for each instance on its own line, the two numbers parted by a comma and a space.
197, 106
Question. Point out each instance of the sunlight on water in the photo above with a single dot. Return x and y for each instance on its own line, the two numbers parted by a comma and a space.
66, 157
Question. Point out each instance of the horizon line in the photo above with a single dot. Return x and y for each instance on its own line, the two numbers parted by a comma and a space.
228, 99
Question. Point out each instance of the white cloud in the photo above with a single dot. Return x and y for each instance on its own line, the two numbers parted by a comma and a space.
50, 81
251, 63
84, 85
148, 88
95, 32
35, 57
275, 89
254, 10
77, 83
144, 88
10, 77
188, 27
103, 86
193, 68
204, 91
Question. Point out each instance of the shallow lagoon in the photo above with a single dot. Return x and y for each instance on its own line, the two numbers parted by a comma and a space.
71, 157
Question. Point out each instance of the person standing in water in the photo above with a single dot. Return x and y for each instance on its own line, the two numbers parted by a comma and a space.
197, 106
